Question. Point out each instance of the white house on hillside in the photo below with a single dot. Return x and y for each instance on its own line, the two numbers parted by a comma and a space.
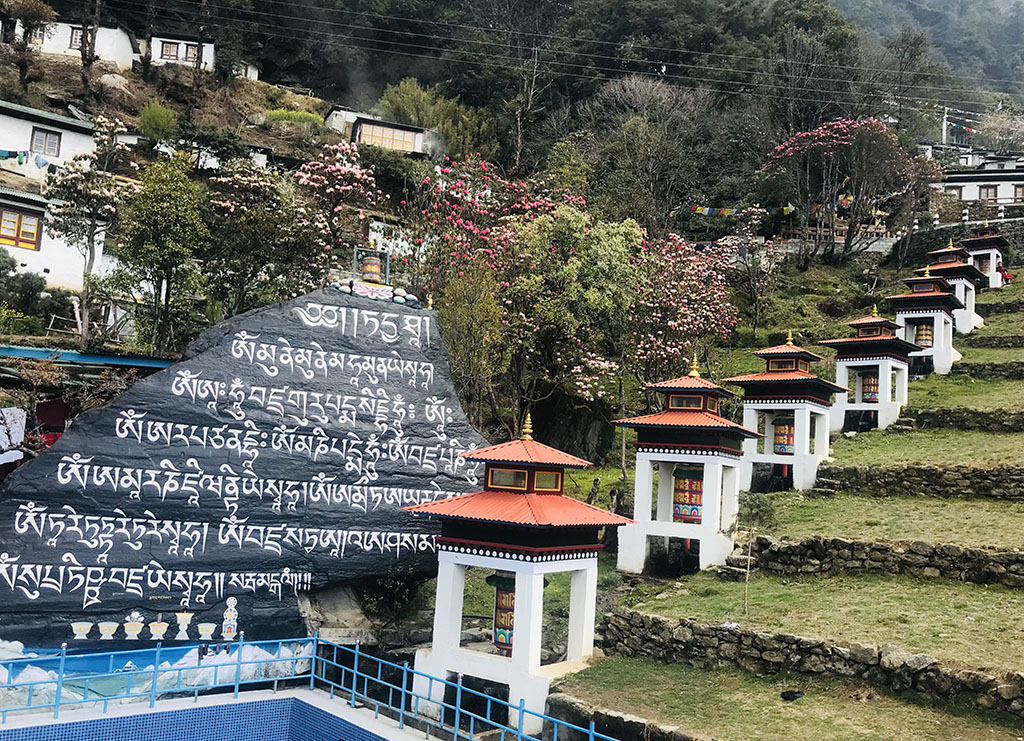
362, 128
115, 45
180, 50
37, 140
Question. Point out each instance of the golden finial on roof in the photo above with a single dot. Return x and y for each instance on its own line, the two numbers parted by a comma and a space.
430, 302
528, 428
927, 271
986, 223
789, 337
950, 245
694, 370
874, 310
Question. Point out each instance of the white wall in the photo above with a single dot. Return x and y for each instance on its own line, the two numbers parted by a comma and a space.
157, 45
971, 191
112, 44
16, 134
57, 261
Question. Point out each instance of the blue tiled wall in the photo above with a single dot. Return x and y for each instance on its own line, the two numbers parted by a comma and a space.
286, 719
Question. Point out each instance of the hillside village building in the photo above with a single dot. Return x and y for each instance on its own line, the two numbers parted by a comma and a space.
34, 142
362, 128
985, 250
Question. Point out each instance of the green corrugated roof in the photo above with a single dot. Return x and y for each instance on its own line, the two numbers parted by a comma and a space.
23, 196
35, 114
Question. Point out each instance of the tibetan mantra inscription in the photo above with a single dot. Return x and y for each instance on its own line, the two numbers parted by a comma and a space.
273, 460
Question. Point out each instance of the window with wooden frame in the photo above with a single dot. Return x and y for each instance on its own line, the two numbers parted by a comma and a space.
547, 481
781, 365
387, 137
988, 192
1018, 193
507, 478
191, 52
870, 331
679, 401
956, 190
804, 366
922, 287
713, 404
76, 38
45, 142
169, 50
20, 229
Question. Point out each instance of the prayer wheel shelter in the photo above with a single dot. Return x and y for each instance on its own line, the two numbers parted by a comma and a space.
964, 278
793, 407
878, 361
696, 453
523, 527
985, 251
925, 318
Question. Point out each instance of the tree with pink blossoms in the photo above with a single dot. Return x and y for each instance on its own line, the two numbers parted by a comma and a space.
339, 188
846, 174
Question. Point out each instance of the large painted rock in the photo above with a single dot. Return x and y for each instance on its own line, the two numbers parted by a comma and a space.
274, 459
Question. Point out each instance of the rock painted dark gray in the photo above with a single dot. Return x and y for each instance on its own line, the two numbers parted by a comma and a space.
273, 459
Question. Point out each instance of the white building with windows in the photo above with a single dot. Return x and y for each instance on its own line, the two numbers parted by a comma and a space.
34, 142
180, 50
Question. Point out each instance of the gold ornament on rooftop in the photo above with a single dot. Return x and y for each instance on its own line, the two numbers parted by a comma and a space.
528, 428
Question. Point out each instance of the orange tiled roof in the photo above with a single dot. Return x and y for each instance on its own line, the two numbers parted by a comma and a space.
786, 349
538, 510
773, 376
684, 419
687, 383
529, 452
908, 346
928, 294
869, 321
958, 267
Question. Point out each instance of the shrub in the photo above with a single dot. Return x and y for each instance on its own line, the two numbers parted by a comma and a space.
282, 114
157, 122
756, 510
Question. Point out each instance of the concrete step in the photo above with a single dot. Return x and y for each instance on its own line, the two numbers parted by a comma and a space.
824, 483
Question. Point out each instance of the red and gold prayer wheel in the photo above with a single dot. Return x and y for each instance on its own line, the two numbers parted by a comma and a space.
869, 388
371, 269
504, 584
924, 335
687, 494
785, 435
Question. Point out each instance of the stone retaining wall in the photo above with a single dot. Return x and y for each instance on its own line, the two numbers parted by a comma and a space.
1012, 370
686, 641
944, 482
1001, 340
1000, 307
617, 725
1004, 420
820, 555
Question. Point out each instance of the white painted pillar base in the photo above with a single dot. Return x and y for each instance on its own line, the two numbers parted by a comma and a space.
582, 609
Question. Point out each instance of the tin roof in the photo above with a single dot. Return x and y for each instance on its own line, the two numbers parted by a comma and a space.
873, 321
887, 339
955, 269
947, 298
529, 452
531, 510
39, 116
685, 419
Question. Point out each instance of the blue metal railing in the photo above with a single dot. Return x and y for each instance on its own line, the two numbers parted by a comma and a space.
66, 680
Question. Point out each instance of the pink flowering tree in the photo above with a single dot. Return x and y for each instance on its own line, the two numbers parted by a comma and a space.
84, 197
263, 245
682, 299
848, 175
340, 189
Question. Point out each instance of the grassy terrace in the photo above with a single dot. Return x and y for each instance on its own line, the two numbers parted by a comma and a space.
992, 354
735, 706
923, 447
975, 522
1008, 293
949, 392
1002, 324
957, 623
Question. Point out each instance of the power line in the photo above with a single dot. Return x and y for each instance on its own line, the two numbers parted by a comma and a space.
845, 96
577, 39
